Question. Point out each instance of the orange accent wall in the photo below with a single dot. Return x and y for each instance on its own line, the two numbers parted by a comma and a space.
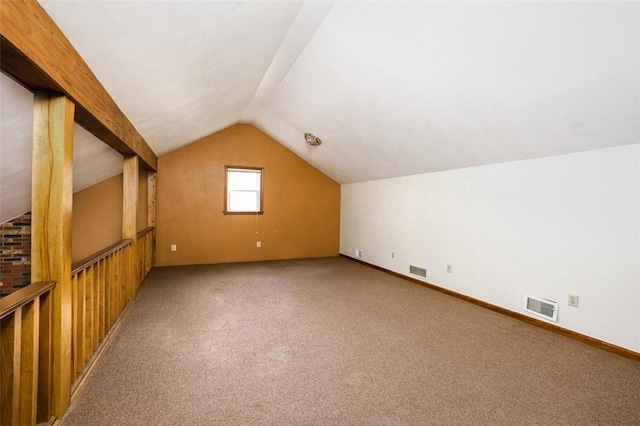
301, 205
97, 218
97, 215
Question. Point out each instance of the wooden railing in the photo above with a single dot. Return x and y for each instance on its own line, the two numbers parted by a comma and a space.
25, 351
145, 248
103, 285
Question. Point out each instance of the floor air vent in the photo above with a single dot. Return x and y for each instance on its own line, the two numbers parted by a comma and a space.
542, 307
415, 270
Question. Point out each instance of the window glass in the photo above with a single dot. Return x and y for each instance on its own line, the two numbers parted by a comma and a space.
244, 190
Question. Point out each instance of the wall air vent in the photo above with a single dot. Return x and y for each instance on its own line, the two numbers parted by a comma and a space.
359, 254
416, 270
542, 307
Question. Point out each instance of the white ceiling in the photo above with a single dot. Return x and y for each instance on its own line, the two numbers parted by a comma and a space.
392, 88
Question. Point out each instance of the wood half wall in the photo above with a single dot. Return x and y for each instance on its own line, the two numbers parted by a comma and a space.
301, 205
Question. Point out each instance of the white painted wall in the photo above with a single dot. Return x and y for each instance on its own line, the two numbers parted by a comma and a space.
546, 227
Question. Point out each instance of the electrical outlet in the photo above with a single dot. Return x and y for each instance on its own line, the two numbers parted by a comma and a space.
573, 300
259, 244
449, 269
393, 255
174, 247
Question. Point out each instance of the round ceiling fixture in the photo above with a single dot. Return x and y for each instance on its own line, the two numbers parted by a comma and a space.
312, 139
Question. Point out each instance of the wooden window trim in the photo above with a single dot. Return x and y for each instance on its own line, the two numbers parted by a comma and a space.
226, 195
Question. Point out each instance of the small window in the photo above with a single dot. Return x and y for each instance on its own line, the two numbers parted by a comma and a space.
243, 190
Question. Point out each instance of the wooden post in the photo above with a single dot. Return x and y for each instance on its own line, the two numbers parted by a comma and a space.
151, 216
51, 205
130, 197
130, 180
151, 199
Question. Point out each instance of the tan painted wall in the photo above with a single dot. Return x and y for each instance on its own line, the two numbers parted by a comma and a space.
97, 218
301, 205
97, 215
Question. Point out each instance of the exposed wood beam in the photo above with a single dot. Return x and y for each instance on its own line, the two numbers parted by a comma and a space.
38, 55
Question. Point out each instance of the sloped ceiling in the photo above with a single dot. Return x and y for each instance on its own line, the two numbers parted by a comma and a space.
392, 88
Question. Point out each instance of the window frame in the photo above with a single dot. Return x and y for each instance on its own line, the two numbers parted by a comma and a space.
226, 190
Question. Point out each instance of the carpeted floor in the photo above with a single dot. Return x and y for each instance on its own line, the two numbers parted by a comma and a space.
331, 342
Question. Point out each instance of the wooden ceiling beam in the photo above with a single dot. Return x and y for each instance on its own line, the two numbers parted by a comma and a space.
38, 55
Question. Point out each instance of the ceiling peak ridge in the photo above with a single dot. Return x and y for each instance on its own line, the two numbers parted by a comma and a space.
303, 28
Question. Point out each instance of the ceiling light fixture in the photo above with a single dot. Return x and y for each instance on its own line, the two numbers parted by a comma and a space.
312, 139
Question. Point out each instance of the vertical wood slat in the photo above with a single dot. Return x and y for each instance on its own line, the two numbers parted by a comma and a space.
122, 279
111, 276
45, 363
51, 205
102, 328
79, 329
125, 277
95, 332
6, 369
74, 326
10, 345
88, 309
114, 278
29, 365
17, 360
132, 272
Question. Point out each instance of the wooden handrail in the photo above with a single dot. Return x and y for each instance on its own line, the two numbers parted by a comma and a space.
10, 303
145, 232
96, 257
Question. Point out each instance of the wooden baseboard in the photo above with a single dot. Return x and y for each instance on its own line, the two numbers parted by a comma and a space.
533, 321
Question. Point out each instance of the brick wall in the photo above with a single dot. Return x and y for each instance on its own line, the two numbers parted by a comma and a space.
15, 254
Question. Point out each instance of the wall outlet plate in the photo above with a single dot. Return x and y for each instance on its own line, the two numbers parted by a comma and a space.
574, 300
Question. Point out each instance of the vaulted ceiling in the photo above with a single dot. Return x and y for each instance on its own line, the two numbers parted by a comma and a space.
392, 88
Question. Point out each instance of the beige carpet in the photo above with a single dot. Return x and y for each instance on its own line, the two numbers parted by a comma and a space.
331, 342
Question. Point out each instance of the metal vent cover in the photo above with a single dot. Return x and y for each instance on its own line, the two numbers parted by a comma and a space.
416, 270
542, 307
